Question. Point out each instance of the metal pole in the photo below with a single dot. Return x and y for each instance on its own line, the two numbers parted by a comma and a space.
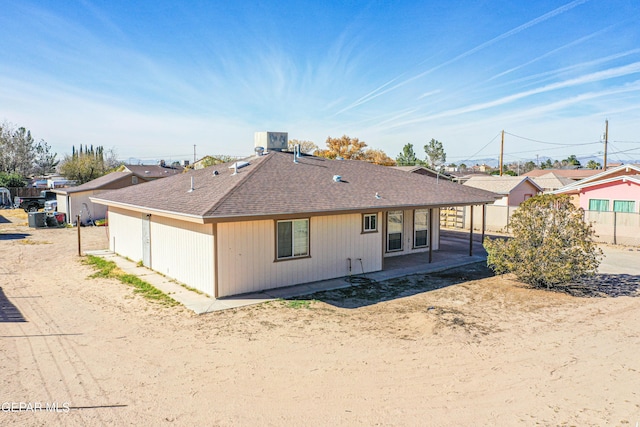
471, 233
78, 225
606, 140
501, 152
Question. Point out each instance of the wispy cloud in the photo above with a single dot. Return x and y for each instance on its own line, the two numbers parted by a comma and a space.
380, 90
626, 70
549, 53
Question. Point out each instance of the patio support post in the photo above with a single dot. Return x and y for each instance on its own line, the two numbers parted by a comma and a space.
471, 231
484, 219
79, 245
430, 235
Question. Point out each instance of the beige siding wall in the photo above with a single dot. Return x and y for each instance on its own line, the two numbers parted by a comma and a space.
183, 251
62, 205
77, 207
125, 233
407, 234
246, 253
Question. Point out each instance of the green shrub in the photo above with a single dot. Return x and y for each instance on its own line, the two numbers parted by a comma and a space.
551, 244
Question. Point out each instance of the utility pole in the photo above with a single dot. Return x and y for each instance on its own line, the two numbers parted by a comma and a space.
606, 140
194, 154
538, 161
501, 151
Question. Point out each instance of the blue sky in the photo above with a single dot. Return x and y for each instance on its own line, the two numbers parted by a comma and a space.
153, 78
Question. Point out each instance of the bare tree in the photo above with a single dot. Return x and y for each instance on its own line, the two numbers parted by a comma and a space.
306, 147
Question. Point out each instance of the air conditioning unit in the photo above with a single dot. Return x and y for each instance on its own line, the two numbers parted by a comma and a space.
272, 141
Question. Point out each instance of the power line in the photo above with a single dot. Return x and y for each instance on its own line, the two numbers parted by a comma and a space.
551, 143
480, 150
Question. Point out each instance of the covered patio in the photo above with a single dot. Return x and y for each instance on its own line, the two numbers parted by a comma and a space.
456, 248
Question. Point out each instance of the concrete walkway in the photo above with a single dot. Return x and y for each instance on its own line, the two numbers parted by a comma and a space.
453, 253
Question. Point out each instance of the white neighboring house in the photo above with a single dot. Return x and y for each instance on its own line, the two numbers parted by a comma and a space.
278, 220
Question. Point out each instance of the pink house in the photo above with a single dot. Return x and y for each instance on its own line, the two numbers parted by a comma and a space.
614, 190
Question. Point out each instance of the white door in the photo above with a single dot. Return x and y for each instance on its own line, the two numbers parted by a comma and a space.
146, 240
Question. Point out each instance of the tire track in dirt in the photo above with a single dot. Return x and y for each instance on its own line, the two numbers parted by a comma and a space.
52, 355
76, 375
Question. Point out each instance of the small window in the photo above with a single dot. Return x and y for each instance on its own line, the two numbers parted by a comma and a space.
421, 228
598, 205
394, 231
134, 180
292, 238
369, 223
624, 206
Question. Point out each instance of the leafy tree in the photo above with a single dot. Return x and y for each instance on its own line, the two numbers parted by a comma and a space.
306, 147
504, 172
528, 166
407, 157
592, 164
87, 163
378, 157
207, 161
436, 157
552, 245
571, 160
345, 147
462, 167
548, 164
11, 180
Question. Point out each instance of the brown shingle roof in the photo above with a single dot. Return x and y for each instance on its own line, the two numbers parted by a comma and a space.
499, 184
574, 174
551, 181
153, 171
274, 185
95, 184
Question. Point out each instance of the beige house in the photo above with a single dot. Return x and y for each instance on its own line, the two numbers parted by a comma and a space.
551, 181
513, 189
74, 201
278, 220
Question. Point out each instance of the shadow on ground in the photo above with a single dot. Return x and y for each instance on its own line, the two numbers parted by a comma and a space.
8, 311
370, 292
4, 220
604, 286
14, 236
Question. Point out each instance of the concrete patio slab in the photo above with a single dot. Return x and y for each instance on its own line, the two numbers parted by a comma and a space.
453, 253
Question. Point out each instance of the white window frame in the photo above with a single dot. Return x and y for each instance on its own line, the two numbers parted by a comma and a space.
416, 229
389, 214
294, 249
366, 225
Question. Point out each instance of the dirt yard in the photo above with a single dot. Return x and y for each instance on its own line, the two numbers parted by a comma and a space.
446, 350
